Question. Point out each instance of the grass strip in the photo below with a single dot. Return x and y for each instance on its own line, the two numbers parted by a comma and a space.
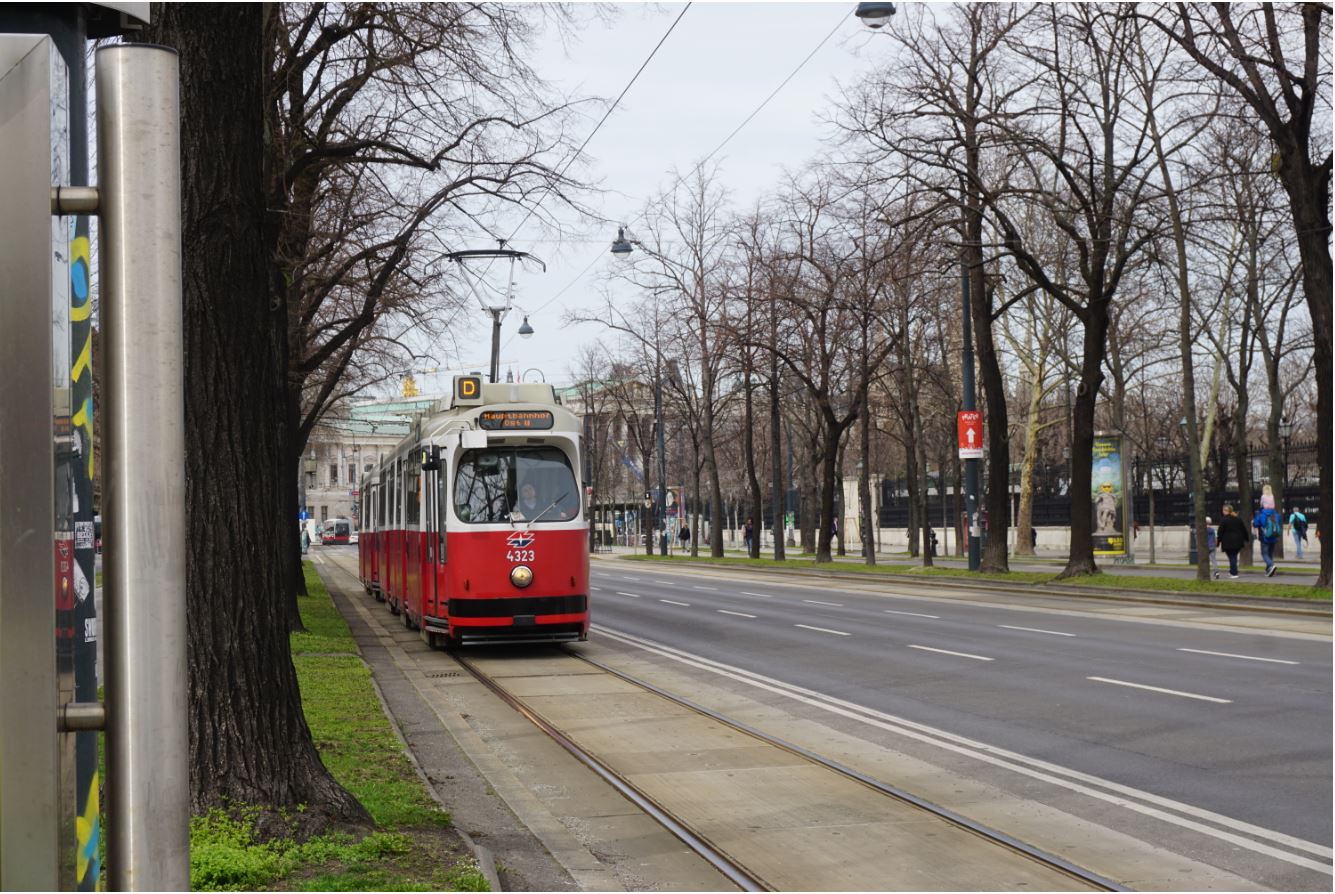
1033, 578
408, 851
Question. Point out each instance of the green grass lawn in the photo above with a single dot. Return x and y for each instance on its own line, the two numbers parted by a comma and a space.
409, 849
1129, 582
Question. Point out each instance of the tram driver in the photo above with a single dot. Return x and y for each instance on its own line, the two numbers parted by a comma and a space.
526, 507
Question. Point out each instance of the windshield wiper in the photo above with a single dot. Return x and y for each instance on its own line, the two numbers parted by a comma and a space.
548, 509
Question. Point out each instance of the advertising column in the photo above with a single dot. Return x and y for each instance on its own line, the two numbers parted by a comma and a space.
1108, 494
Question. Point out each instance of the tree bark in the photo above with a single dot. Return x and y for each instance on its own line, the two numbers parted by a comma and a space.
1081, 560
249, 742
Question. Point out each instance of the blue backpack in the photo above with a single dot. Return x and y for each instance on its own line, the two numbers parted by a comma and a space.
1270, 528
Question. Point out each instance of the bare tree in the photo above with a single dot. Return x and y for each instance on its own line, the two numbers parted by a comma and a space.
685, 241
393, 130
1081, 156
1276, 57
249, 742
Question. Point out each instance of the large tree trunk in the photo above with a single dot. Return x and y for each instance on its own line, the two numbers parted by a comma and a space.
249, 743
997, 498
711, 468
1313, 224
829, 461
1308, 188
1081, 560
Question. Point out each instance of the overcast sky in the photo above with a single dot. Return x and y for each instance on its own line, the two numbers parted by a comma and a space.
720, 62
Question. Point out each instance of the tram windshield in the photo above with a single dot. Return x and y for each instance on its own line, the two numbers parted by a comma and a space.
514, 484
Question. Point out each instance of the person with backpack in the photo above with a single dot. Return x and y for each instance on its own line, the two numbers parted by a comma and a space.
1232, 537
1298, 527
1269, 529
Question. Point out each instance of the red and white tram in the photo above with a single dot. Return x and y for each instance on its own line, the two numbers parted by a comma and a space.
473, 529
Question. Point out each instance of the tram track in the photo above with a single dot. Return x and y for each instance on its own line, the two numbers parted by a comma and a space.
746, 877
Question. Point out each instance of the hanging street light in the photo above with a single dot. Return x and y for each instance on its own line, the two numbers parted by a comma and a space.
875, 15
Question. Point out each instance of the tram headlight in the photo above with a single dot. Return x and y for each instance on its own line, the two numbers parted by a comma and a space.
521, 576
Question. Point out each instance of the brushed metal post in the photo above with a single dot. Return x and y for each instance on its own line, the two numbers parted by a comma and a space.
148, 780
30, 72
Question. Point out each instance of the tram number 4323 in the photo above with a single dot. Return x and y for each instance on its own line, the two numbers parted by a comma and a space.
519, 555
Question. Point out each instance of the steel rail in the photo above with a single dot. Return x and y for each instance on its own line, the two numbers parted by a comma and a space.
733, 871
1037, 854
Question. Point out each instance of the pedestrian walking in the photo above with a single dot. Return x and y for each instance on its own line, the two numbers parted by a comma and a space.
1267, 497
748, 533
1211, 545
684, 535
1268, 531
1232, 537
1298, 528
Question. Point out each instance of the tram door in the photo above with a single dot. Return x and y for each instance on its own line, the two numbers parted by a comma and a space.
434, 508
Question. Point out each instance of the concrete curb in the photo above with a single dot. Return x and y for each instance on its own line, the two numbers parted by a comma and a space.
1262, 604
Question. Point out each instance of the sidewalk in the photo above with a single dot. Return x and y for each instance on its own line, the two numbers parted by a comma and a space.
1292, 572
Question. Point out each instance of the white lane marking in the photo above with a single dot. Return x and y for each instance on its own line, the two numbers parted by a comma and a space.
818, 602
761, 595
823, 630
1244, 657
596, 589
1119, 795
1036, 630
890, 611
724, 611
710, 589
1204, 698
948, 652
631, 595
636, 579
670, 602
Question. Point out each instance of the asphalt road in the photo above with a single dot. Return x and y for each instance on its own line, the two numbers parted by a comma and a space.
1232, 727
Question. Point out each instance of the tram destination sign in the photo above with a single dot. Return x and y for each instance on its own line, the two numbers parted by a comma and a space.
515, 420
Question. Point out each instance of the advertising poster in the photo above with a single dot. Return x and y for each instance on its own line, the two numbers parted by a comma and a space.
1108, 497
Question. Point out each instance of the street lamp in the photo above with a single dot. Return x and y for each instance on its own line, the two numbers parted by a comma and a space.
623, 246
875, 15
1285, 432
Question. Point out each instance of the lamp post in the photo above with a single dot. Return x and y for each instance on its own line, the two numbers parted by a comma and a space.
622, 246
1281, 492
1285, 432
1192, 556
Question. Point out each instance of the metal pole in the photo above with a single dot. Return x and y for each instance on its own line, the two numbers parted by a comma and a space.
495, 344
662, 461
148, 784
970, 403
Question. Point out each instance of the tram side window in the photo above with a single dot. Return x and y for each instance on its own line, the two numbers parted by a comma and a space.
380, 491
412, 497
505, 484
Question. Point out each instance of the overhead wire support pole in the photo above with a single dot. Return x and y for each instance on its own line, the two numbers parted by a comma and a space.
970, 401
139, 163
497, 312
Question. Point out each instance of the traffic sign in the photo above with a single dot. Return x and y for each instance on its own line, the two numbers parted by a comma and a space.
303, 515
970, 425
